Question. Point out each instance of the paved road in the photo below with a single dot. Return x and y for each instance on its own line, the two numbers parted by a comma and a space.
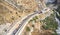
24, 22
21, 25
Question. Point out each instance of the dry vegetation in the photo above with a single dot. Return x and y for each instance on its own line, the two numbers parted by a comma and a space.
9, 15
47, 26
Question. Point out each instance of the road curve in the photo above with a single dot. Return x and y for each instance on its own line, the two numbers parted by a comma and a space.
23, 23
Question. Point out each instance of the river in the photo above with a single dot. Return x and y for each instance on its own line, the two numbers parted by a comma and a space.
58, 30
